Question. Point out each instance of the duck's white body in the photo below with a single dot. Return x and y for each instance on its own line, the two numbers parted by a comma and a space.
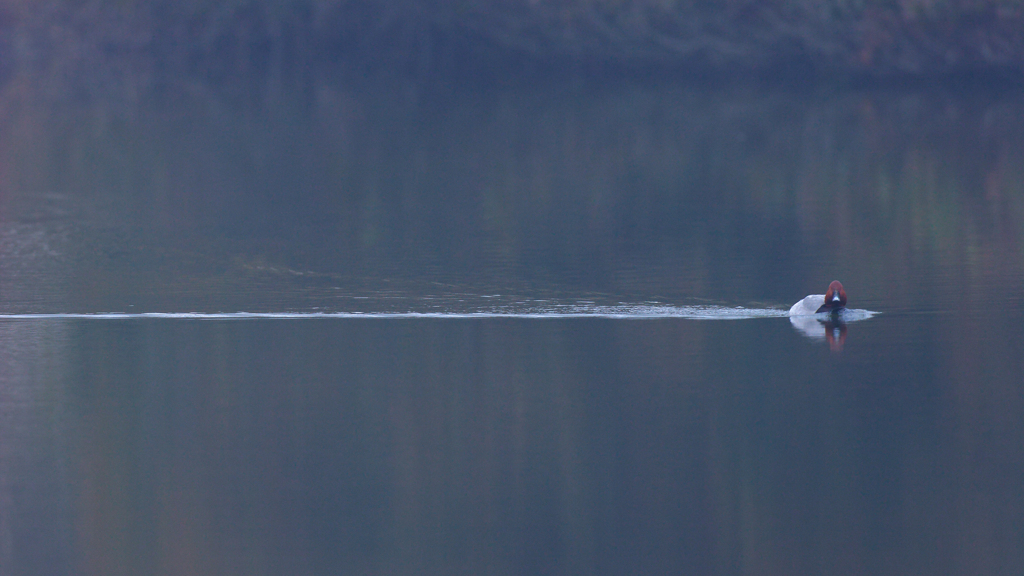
808, 306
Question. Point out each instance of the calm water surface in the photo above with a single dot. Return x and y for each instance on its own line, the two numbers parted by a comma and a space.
519, 331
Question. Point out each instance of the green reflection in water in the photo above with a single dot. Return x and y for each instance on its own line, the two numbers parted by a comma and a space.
508, 446
502, 445
314, 199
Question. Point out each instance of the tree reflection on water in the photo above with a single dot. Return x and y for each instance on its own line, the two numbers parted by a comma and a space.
511, 445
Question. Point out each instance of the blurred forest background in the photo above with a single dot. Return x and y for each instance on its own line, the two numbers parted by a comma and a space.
844, 38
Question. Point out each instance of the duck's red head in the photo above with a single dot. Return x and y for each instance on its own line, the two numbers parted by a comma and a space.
835, 298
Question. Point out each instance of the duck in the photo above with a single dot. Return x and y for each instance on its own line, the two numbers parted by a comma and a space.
833, 300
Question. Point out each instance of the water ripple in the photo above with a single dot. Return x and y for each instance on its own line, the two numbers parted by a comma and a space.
638, 312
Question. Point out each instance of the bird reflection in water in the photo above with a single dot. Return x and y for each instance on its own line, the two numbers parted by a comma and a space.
831, 329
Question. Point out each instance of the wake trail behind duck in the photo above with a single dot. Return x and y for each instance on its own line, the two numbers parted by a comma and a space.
624, 312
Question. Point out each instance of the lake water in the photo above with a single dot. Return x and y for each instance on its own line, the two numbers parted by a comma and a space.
345, 327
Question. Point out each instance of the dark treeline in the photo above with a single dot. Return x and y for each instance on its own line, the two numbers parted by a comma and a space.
905, 38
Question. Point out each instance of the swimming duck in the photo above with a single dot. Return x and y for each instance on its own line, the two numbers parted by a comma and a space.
832, 301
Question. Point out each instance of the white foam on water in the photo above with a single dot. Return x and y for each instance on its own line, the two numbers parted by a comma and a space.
624, 312
621, 312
